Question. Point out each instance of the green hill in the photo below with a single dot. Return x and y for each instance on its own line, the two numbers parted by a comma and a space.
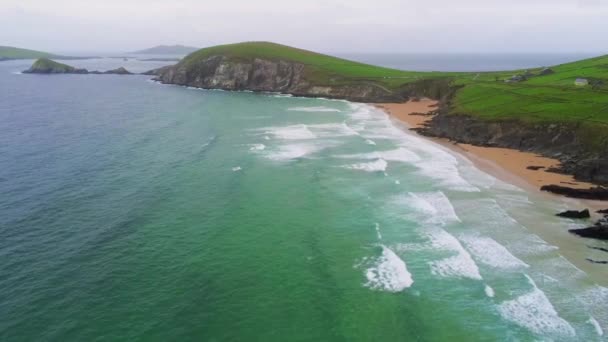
9, 52
319, 67
486, 95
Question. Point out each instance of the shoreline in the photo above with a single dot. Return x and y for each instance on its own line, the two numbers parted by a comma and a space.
508, 165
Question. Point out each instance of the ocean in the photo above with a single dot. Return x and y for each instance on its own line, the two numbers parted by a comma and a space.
134, 211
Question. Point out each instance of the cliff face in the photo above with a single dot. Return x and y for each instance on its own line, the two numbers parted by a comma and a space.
220, 72
565, 142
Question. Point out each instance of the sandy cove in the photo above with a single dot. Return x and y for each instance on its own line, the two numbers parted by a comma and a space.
506, 164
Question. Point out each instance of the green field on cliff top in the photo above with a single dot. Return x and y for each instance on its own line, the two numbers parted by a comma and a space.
553, 97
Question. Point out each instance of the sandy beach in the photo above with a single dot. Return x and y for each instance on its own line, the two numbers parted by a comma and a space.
507, 164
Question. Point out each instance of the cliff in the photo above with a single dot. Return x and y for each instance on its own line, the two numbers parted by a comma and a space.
581, 148
269, 67
47, 66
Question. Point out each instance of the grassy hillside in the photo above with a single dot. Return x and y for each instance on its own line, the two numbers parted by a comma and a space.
8, 52
552, 97
320, 68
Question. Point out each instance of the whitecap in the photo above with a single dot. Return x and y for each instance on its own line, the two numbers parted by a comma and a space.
374, 166
460, 265
293, 132
292, 151
257, 147
489, 291
236, 168
491, 253
596, 326
535, 312
430, 207
314, 109
389, 273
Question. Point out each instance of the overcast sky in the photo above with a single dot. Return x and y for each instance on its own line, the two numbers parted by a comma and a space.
323, 25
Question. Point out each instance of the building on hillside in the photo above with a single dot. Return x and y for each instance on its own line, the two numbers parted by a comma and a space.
581, 82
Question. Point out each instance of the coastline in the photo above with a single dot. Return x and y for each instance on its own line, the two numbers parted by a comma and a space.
508, 165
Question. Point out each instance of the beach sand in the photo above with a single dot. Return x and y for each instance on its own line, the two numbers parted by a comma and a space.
506, 164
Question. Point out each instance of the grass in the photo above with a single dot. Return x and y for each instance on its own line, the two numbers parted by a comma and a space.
549, 98
8, 52
320, 69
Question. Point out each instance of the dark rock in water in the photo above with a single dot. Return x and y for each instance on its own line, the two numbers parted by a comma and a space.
599, 248
597, 261
598, 193
595, 232
603, 211
535, 168
575, 214
119, 71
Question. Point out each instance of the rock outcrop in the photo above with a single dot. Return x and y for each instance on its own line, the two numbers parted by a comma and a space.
599, 193
575, 214
265, 75
47, 66
560, 141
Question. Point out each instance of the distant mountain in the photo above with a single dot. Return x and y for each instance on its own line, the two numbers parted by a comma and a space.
167, 50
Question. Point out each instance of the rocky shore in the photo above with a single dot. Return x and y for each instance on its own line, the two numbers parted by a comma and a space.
264, 75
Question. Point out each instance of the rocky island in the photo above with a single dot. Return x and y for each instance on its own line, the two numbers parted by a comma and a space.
47, 66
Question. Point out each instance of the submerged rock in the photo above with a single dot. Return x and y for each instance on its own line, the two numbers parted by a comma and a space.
575, 214
598, 231
598, 193
594, 232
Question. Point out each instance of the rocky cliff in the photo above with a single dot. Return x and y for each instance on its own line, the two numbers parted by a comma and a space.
258, 74
585, 158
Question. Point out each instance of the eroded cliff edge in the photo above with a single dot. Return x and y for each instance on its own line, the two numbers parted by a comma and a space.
265, 75
576, 146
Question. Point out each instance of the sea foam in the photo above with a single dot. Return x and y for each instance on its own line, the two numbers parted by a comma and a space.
374, 166
314, 109
460, 265
491, 253
535, 312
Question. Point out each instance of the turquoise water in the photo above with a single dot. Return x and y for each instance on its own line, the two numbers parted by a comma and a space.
137, 211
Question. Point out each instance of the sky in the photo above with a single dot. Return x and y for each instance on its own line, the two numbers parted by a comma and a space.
347, 26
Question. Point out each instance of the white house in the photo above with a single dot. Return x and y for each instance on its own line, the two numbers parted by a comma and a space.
581, 82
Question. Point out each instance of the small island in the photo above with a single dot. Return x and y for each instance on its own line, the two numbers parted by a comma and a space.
48, 66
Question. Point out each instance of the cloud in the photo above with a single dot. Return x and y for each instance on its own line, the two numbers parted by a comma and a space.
329, 25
